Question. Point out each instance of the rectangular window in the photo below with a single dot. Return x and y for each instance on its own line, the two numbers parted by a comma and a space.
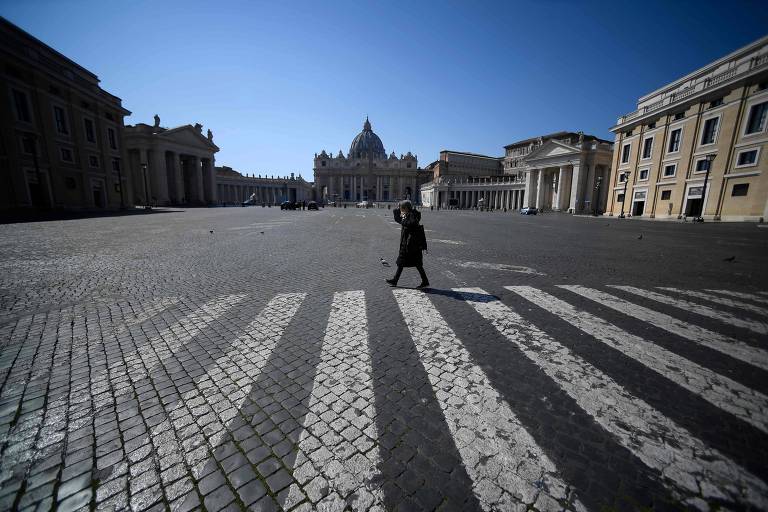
647, 147
679, 115
757, 117
740, 189
622, 177
702, 165
674, 140
90, 133
66, 155
21, 103
61, 120
716, 103
640, 196
93, 161
625, 153
746, 158
709, 133
652, 125
643, 174
112, 138
620, 198
666, 195
670, 170
116, 164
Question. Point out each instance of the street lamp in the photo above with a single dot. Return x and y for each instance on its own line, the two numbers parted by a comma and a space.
147, 206
709, 159
597, 195
624, 201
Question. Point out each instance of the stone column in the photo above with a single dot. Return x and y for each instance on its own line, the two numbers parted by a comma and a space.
177, 180
197, 179
540, 190
529, 186
575, 188
560, 194
156, 169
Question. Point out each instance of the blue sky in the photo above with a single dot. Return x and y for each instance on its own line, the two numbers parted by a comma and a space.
279, 81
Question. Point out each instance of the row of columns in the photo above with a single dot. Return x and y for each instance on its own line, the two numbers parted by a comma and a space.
173, 178
555, 188
269, 194
511, 199
358, 186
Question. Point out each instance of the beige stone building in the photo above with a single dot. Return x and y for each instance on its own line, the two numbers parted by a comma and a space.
61, 135
171, 166
233, 188
697, 146
470, 180
563, 171
366, 173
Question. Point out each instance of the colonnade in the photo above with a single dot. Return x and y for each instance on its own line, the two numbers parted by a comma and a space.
164, 177
574, 187
494, 198
356, 187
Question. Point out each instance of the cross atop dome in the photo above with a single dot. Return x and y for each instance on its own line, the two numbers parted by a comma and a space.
367, 125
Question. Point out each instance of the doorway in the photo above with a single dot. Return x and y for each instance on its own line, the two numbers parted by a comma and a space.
637, 208
693, 207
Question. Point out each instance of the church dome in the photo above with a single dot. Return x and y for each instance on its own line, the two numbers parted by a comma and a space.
367, 143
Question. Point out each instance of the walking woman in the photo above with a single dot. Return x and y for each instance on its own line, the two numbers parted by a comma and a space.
412, 242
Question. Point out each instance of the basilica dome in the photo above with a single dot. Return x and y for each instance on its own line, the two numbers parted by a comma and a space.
367, 143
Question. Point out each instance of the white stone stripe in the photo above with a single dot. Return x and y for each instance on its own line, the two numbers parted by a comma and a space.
248, 354
737, 304
688, 466
691, 307
505, 464
339, 436
710, 339
746, 404
742, 295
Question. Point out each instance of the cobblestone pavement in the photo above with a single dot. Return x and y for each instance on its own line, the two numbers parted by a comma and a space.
248, 358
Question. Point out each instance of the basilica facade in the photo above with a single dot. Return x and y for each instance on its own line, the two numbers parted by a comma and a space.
366, 173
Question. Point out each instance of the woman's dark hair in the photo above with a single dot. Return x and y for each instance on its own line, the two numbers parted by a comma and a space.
406, 205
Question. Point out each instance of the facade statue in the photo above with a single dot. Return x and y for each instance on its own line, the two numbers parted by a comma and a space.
210, 135
157, 121
198, 128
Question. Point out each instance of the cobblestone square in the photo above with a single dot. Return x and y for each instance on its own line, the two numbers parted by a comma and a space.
253, 358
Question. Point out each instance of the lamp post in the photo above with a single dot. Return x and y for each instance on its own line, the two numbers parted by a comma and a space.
596, 199
624, 201
709, 159
120, 178
147, 206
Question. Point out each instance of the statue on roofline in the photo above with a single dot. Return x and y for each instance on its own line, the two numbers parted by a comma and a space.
157, 121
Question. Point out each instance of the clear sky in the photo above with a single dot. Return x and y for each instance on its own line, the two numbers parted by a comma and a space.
279, 81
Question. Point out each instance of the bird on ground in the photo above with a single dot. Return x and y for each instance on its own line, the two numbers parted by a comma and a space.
729, 258
640, 237
261, 232
211, 231
384, 262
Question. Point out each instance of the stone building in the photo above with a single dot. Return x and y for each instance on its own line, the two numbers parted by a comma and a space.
171, 166
470, 180
560, 171
366, 173
61, 135
234, 188
563, 171
694, 147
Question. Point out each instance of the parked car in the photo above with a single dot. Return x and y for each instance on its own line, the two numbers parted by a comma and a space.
312, 205
529, 210
287, 205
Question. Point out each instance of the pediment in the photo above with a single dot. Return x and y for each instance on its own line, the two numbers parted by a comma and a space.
187, 136
552, 149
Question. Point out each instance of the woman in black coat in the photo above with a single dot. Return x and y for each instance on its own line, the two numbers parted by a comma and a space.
411, 243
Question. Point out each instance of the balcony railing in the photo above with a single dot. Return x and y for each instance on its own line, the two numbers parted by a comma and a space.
743, 68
